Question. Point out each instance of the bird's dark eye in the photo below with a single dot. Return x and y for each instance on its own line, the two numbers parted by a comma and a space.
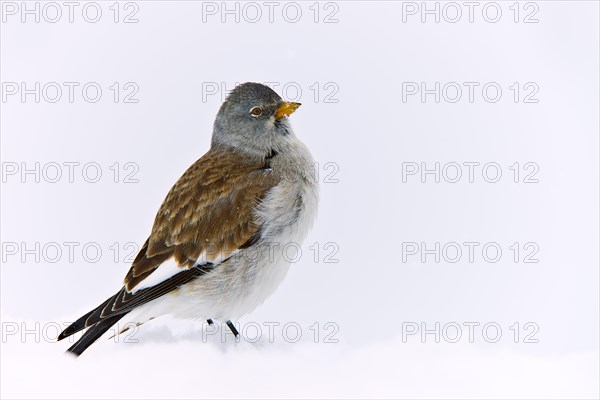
256, 111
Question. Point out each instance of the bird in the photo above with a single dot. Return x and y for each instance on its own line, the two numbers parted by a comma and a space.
215, 248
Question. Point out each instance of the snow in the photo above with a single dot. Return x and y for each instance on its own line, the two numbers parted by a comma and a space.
179, 362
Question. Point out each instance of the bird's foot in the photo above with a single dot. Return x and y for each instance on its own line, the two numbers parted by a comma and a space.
232, 328
230, 325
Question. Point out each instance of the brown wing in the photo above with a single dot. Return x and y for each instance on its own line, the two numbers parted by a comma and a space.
208, 214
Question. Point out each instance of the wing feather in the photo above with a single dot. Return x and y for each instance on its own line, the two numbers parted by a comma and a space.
208, 212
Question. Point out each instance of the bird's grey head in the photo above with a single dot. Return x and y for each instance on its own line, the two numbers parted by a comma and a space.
253, 119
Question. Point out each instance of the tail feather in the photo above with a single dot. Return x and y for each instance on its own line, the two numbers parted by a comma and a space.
93, 333
81, 323
74, 327
100, 319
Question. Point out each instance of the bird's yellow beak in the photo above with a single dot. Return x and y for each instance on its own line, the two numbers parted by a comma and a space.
286, 109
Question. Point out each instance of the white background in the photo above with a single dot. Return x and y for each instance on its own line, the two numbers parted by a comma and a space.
368, 130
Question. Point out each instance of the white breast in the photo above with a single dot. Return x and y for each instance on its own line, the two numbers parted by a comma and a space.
286, 215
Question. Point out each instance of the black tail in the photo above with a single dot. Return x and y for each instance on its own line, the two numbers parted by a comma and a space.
75, 326
100, 319
92, 334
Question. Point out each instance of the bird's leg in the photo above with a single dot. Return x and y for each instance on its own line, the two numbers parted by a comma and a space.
232, 328
210, 321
